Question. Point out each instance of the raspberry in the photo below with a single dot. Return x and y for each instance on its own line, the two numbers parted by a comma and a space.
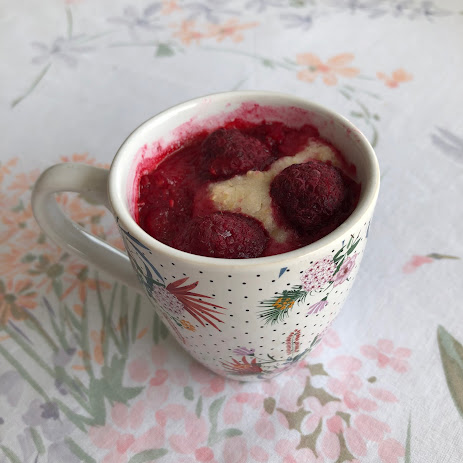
310, 195
223, 234
229, 152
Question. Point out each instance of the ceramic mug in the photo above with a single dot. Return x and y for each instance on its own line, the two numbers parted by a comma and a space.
246, 319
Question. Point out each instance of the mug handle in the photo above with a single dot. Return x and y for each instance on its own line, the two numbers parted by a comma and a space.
92, 183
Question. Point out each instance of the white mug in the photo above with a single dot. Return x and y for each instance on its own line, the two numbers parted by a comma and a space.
246, 319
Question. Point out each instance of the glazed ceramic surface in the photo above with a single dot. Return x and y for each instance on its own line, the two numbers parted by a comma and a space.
247, 319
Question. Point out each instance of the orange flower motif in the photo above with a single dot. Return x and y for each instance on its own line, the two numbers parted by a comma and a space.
79, 280
5, 168
98, 339
187, 33
83, 158
15, 298
329, 71
24, 181
187, 325
229, 29
169, 6
399, 76
80, 211
12, 262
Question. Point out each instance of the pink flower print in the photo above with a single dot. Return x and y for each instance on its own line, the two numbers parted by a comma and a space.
345, 270
287, 449
346, 379
235, 450
212, 383
318, 306
366, 428
139, 370
385, 354
390, 451
317, 276
121, 438
234, 407
259, 454
415, 262
370, 428
329, 339
318, 412
354, 402
264, 427
159, 356
187, 439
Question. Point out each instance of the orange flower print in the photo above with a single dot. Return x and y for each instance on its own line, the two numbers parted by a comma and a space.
15, 298
187, 325
231, 29
399, 76
329, 71
5, 167
81, 282
83, 158
24, 181
98, 340
188, 34
169, 6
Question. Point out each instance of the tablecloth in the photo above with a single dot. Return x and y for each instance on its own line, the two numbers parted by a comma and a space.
87, 371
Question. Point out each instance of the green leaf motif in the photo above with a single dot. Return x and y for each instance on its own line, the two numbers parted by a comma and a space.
408, 458
148, 455
164, 50
38, 442
451, 352
188, 393
10, 454
199, 407
78, 451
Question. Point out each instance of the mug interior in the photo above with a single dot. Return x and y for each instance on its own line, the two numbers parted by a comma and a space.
173, 127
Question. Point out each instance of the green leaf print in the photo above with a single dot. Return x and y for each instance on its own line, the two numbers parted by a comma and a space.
451, 352
214, 435
164, 49
148, 455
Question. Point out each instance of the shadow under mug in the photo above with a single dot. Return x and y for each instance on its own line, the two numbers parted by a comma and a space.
247, 319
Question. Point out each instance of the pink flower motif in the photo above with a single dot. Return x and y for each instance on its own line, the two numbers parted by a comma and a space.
234, 407
120, 437
139, 370
390, 451
212, 383
317, 276
318, 412
385, 354
317, 307
329, 339
346, 379
235, 450
415, 262
287, 449
345, 270
186, 433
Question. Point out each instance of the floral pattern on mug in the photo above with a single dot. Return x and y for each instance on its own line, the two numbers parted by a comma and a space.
176, 299
321, 277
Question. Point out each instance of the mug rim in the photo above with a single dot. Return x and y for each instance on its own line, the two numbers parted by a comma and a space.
116, 199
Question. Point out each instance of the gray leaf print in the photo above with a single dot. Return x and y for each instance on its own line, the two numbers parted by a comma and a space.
11, 385
59, 452
449, 143
297, 21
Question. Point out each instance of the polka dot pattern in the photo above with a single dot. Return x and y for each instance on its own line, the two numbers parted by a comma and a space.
228, 333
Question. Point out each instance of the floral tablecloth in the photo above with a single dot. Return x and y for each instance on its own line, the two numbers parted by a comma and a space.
87, 371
